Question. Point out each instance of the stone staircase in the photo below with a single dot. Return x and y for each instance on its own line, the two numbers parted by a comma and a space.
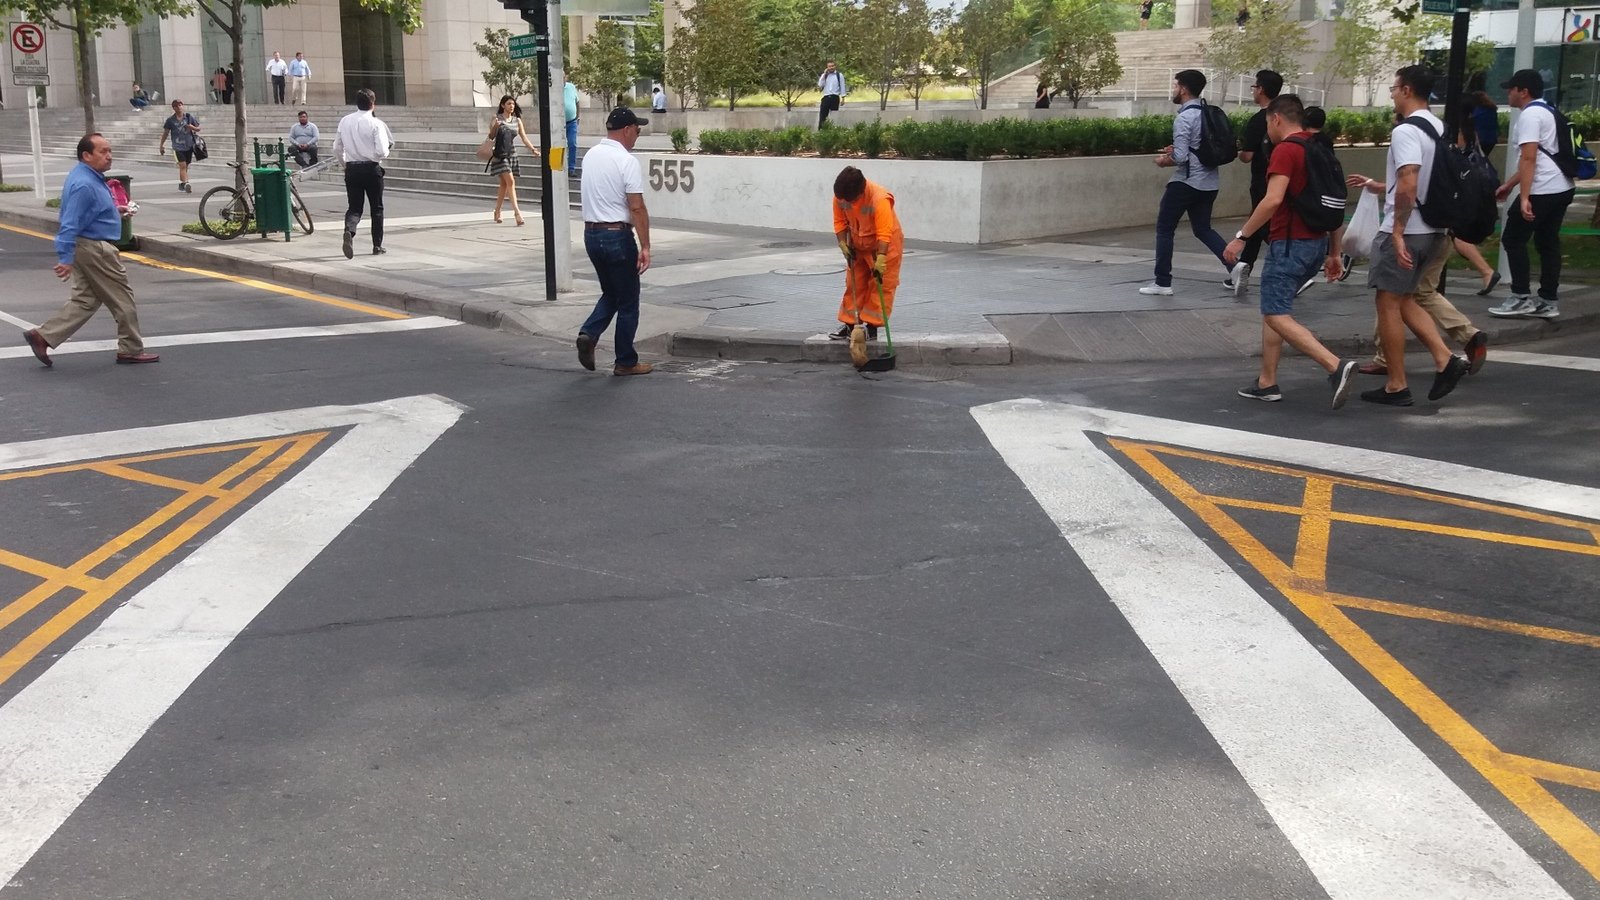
1149, 59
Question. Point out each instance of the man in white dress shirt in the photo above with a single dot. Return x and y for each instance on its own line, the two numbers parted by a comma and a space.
278, 68
362, 144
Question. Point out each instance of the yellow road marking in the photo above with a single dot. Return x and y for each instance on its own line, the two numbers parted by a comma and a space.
41, 569
1408, 611
150, 478
379, 311
1303, 587
132, 460
277, 456
1544, 770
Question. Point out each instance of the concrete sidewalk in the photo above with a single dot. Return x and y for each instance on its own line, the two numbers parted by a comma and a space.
766, 295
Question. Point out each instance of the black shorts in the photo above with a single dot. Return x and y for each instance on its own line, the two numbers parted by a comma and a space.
184, 156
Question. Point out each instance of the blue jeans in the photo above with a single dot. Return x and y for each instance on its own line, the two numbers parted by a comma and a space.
572, 146
1289, 265
616, 261
1178, 200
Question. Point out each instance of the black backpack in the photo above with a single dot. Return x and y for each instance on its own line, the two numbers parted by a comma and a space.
1571, 156
1461, 186
1321, 204
1217, 146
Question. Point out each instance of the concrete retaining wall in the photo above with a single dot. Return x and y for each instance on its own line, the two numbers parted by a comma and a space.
707, 119
954, 202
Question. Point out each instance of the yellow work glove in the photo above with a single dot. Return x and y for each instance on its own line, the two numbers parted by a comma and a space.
849, 253
880, 264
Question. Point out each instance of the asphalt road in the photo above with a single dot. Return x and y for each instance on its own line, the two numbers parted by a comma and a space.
745, 630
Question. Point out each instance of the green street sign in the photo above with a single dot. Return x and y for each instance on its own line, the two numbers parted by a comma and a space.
1442, 7
526, 46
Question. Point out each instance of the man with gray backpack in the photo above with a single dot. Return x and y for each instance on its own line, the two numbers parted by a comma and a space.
1543, 148
1202, 140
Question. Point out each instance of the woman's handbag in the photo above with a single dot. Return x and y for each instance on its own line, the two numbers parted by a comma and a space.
486, 149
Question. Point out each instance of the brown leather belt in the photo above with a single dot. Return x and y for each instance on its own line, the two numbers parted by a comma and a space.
607, 226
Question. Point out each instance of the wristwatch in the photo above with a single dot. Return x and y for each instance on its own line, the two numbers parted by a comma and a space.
1239, 236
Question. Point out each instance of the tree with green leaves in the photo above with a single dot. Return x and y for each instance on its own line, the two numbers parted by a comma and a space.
604, 67
1269, 40
984, 30
727, 58
649, 55
1358, 52
1081, 56
885, 38
938, 59
229, 16
85, 20
793, 35
517, 77
682, 75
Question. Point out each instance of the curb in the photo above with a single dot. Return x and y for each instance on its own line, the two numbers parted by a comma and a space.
784, 346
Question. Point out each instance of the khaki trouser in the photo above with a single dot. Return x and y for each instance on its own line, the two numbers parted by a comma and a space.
1444, 313
97, 278
297, 89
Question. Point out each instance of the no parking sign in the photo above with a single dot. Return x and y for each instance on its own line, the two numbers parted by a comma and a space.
28, 63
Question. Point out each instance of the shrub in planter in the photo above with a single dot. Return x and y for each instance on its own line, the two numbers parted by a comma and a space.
830, 140
680, 139
871, 138
717, 141
789, 141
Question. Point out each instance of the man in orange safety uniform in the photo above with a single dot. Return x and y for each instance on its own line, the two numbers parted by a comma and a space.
871, 241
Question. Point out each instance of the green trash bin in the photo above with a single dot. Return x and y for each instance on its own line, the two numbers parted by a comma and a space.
272, 200
127, 241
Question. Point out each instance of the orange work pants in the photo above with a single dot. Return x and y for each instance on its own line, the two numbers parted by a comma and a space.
861, 288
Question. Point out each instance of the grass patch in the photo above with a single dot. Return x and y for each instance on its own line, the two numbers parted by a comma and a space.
53, 203
860, 96
197, 228
13, 188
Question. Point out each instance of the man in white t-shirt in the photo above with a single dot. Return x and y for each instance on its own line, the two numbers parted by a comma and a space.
613, 211
1546, 194
1406, 244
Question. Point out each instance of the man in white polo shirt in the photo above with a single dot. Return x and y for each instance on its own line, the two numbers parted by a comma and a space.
613, 210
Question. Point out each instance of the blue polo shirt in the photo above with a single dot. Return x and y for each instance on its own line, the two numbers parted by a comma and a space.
87, 211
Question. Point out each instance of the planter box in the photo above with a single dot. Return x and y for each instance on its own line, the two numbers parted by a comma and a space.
951, 202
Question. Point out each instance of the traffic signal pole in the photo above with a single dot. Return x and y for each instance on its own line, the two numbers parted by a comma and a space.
1456, 74
537, 14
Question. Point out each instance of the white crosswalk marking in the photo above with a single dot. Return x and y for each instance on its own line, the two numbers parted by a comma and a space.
1371, 814
1551, 360
421, 323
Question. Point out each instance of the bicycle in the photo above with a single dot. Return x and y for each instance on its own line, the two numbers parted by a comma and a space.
227, 212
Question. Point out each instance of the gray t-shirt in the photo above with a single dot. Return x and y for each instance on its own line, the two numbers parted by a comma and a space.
181, 137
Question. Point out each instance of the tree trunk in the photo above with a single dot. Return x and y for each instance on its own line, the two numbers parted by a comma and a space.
86, 67
733, 96
237, 36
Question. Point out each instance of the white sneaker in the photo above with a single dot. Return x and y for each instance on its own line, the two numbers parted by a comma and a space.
1156, 290
1238, 276
1544, 309
1513, 306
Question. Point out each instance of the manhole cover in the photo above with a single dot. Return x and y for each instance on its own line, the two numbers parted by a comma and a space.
810, 270
786, 245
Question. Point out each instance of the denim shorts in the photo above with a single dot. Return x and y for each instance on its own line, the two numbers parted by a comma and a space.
1289, 264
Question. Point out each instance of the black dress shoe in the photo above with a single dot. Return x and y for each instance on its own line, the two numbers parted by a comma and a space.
41, 348
378, 251
586, 351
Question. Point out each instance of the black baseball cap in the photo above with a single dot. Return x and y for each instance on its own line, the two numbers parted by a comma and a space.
622, 117
1527, 79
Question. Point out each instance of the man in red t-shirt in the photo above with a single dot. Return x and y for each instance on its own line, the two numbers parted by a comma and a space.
1294, 254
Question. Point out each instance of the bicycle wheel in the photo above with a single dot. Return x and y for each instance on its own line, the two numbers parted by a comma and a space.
224, 213
302, 216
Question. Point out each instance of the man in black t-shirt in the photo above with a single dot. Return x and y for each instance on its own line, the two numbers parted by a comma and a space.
1256, 149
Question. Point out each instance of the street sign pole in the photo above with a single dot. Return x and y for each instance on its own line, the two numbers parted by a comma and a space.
1457, 72
539, 17
38, 145
558, 178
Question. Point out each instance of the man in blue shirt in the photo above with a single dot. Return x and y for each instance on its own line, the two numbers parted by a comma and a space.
299, 74
90, 224
1192, 190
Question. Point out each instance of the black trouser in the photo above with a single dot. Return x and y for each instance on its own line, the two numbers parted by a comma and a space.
363, 181
278, 83
830, 103
1253, 242
306, 157
1545, 229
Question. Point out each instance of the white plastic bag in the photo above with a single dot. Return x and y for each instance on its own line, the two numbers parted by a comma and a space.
1363, 227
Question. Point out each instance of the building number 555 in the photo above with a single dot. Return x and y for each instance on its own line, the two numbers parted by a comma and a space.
672, 174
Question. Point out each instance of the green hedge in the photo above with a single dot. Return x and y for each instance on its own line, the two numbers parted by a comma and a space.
1012, 138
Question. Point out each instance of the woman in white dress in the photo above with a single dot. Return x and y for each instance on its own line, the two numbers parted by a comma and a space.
504, 131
